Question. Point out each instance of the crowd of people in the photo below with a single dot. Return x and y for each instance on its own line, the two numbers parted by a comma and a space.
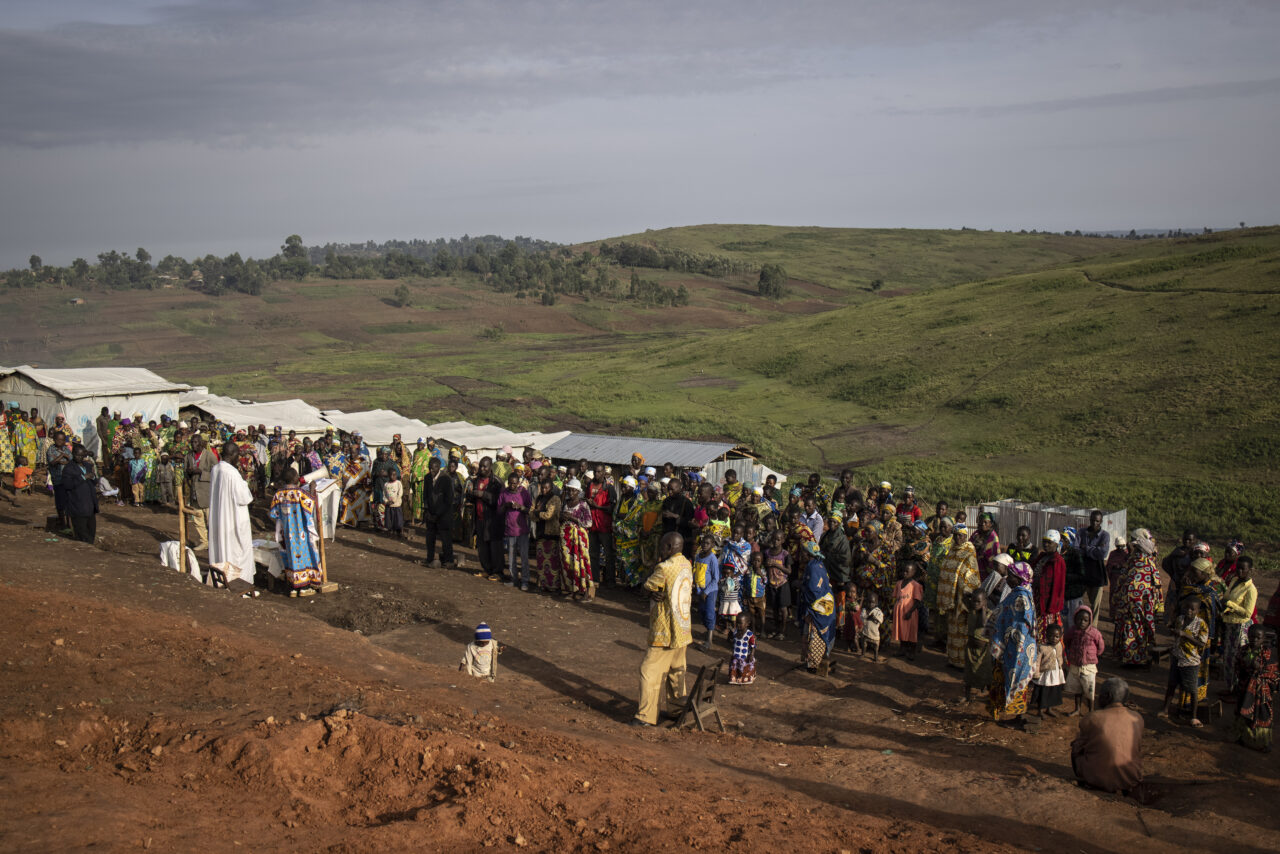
825, 564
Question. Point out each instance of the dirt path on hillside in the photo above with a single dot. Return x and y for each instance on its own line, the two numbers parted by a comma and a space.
145, 711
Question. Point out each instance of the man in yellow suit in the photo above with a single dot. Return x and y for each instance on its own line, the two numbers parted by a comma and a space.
670, 591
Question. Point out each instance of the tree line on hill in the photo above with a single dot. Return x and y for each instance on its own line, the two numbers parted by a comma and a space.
123, 271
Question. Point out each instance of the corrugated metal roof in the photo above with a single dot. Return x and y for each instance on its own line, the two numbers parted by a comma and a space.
618, 450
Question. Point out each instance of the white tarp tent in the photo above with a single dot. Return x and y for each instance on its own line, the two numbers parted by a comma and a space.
80, 393
378, 426
294, 414
487, 440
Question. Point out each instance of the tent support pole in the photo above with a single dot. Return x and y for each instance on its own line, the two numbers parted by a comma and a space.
182, 527
326, 586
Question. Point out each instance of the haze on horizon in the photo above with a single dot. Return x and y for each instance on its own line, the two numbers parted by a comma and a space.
225, 125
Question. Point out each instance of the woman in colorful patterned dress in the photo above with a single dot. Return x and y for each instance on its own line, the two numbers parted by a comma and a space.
294, 512
958, 578
575, 556
818, 608
1202, 583
626, 531
1013, 647
1136, 601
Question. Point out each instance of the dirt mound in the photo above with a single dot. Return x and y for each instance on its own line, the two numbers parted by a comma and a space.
369, 611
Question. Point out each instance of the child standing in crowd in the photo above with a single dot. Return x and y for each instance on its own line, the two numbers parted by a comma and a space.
872, 617
165, 477
1190, 643
849, 620
1047, 693
977, 654
753, 589
393, 496
480, 658
776, 563
706, 585
137, 476
730, 592
1084, 644
742, 667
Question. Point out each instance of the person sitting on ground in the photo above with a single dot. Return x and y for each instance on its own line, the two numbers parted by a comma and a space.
480, 658
1107, 753
22, 473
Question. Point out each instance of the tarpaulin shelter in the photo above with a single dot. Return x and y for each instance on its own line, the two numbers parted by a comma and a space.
297, 415
80, 393
486, 440
378, 426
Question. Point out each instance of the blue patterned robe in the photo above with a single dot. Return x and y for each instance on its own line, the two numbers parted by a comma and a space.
294, 513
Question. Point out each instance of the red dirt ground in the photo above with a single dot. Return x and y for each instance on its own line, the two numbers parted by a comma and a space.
144, 711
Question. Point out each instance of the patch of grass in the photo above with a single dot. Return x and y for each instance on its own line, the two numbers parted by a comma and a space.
407, 327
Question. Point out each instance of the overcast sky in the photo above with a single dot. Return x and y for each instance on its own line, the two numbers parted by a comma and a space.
225, 125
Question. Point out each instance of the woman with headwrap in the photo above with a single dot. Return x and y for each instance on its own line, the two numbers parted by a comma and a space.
575, 555
418, 476
26, 440
1013, 647
986, 543
1136, 600
938, 550
958, 578
626, 531
1202, 583
650, 522
1050, 585
818, 605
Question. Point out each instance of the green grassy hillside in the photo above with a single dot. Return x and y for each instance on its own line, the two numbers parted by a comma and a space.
1075, 370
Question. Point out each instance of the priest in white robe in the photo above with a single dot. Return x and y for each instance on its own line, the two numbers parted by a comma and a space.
230, 536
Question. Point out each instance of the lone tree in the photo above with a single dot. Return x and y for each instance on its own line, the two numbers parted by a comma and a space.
402, 295
773, 280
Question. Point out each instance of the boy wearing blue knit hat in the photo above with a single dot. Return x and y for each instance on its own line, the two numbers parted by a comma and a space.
480, 658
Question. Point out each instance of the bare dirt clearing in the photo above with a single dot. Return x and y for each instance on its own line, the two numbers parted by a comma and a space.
143, 710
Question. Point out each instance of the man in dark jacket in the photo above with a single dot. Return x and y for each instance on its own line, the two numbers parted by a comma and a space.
79, 484
437, 512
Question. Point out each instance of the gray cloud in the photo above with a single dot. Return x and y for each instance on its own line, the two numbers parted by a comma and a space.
264, 72
1141, 98
220, 125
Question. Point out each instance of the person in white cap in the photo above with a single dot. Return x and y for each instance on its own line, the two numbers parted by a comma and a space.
575, 550
626, 532
1049, 586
